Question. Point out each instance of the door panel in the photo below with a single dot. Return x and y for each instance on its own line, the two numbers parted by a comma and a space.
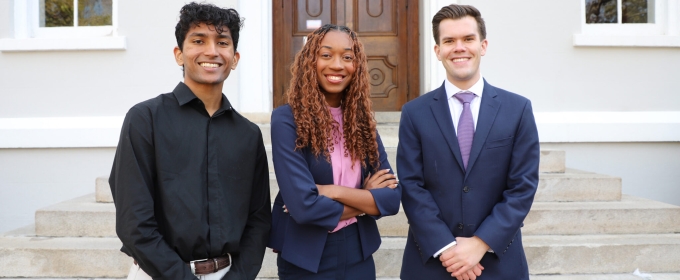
375, 17
388, 30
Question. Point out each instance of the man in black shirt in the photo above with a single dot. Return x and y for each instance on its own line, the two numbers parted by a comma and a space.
190, 180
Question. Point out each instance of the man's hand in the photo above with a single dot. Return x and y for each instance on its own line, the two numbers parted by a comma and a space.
462, 260
471, 274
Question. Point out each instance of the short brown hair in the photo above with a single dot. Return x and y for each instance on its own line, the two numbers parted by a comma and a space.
454, 11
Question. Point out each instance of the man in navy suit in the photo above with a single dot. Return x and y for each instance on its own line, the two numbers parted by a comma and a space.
468, 163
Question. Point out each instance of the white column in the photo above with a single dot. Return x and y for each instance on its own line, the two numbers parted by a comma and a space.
434, 72
255, 70
22, 18
673, 17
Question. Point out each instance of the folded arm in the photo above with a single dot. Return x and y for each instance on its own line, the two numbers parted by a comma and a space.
296, 183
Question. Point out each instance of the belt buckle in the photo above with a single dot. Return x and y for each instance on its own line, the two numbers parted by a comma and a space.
193, 266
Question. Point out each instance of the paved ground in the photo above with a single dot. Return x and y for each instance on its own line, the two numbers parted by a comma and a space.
654, 276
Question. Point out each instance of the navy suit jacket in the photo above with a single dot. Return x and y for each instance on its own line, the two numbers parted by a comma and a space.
443, 201
301, 235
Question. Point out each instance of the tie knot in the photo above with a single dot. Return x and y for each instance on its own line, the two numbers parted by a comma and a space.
464, 96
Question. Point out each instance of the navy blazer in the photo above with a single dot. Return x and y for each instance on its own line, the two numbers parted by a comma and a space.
300, 234
443, 201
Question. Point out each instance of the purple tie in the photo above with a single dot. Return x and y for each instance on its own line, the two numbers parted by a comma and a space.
466, 127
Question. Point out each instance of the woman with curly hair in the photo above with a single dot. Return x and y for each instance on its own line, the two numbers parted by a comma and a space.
330, 164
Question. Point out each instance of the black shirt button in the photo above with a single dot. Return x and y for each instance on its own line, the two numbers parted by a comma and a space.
466, 189
460, 226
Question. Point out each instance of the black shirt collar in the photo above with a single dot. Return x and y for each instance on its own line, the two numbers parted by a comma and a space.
184, 95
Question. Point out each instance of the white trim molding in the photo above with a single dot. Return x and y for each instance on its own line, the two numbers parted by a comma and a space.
29, 36
553, 127
566, 127
62, 44
663, 32
60, 132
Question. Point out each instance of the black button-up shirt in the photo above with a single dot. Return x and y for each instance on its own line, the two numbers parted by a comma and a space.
188, 186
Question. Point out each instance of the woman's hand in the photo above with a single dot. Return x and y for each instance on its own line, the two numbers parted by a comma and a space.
380, 179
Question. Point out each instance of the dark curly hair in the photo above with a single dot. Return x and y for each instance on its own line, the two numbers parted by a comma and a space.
193, 14
315, 125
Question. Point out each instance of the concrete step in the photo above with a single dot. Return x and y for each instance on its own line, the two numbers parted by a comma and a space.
630, 276
23, 254
81, 216
551, 161
555, 185
102, 190
558, 254
576, 185
631, 215
603, 254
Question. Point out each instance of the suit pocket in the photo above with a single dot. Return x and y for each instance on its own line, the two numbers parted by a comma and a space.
492, 144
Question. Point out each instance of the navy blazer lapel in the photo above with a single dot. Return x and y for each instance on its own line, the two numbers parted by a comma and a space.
487, 114
442, 114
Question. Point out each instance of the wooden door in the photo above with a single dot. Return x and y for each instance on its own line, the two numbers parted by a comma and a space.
387, 28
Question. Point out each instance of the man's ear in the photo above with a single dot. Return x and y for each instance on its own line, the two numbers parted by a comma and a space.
178, 56
484, 44
436, 51
234, 63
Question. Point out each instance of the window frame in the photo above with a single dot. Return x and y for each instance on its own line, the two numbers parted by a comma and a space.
664, 32
29, 36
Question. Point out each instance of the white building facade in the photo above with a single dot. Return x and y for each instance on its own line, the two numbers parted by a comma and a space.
606, 94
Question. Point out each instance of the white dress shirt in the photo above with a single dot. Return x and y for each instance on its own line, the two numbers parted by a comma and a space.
456, 107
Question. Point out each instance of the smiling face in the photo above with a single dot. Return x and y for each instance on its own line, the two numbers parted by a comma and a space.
460, 50
335, 65
207, 56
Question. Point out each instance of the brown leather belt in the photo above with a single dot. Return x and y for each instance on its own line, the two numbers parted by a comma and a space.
207, 266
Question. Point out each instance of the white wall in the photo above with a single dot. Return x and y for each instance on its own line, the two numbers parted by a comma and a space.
648, 170
31, 179
103, 83
530, 52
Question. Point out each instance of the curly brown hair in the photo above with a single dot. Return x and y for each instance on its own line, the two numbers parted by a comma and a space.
314, 122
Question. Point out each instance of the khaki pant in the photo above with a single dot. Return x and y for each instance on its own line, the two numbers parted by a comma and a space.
136, 273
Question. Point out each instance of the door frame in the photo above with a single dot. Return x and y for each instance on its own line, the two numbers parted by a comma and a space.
279, 69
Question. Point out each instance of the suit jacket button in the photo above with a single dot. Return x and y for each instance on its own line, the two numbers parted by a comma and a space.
460, 226
466, 189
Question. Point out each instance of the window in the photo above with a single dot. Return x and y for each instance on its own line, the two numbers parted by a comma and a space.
619, 11
64, 25
636, 23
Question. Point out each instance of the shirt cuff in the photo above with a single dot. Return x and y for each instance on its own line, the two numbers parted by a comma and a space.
436, 255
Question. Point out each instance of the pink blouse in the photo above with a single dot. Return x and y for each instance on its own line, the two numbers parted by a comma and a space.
345, 172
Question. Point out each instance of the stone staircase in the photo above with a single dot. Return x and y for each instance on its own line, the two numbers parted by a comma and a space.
580, 227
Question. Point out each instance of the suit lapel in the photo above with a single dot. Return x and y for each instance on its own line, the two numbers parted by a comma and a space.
487, 114
442, 114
